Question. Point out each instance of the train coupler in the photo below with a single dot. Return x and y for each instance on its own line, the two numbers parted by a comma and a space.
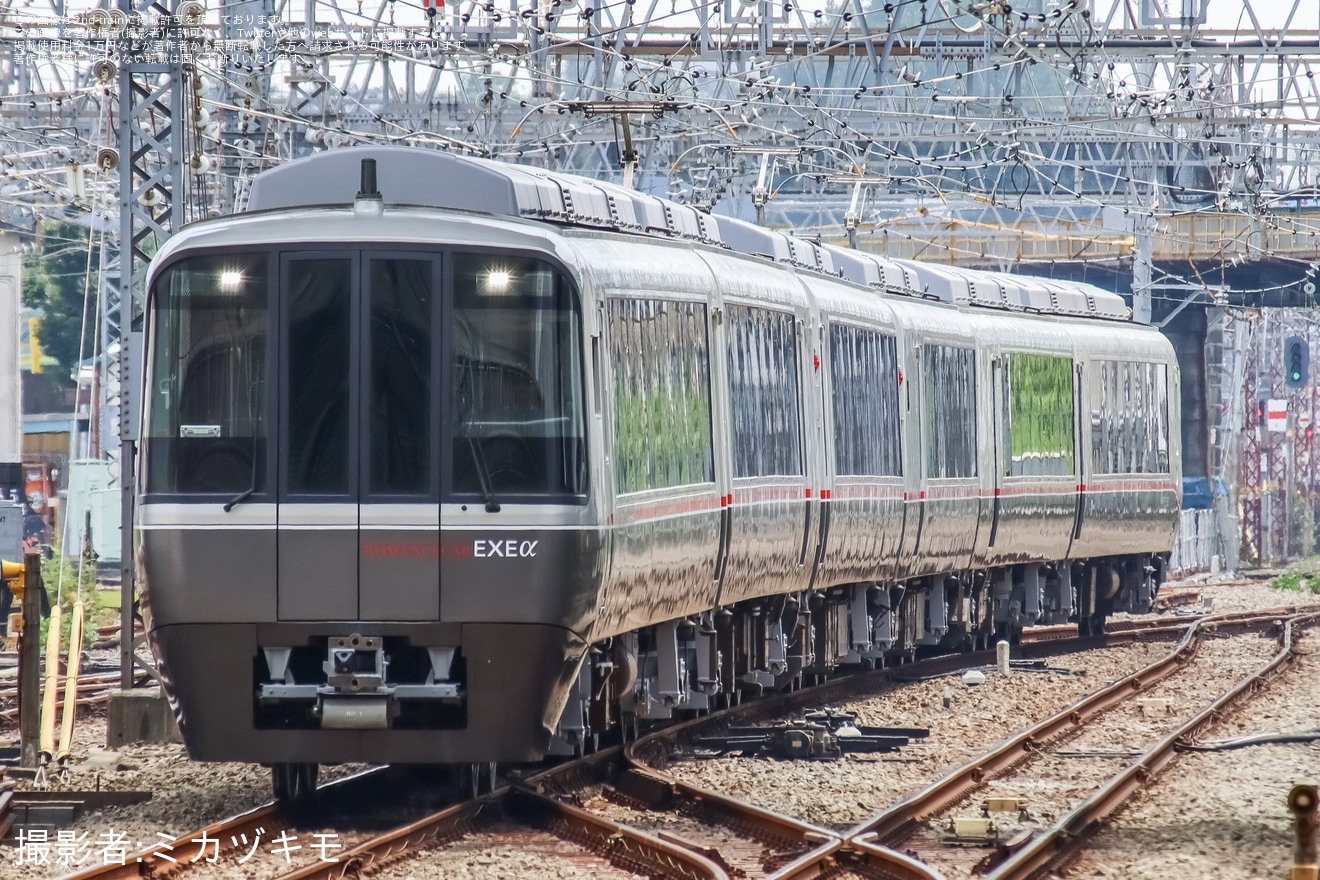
355, 664
355, 689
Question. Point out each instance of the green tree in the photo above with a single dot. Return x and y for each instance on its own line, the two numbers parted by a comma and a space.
54, 280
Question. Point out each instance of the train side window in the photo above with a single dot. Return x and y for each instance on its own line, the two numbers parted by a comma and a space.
399, 445
318, 300
764, 393
950, 404
207, 427
1160, 403
864, 380
1038, 422
662, 432
1131, 430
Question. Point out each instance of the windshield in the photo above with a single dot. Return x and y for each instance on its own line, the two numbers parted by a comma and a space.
515, 379
360, 416
206, 427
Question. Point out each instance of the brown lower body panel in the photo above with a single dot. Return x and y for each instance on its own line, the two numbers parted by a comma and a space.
518, 677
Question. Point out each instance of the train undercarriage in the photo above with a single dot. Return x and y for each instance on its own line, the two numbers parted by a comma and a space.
684, 667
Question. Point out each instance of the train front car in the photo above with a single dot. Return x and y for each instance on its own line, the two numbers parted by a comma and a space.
364, 532
402, 466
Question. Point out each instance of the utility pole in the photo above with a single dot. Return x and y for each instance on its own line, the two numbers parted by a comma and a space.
1141, 270
29, 664
151, 192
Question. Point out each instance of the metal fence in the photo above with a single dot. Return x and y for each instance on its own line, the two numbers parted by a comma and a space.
1197, 543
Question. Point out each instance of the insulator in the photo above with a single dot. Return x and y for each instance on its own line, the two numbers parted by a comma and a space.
105, 71
190, 12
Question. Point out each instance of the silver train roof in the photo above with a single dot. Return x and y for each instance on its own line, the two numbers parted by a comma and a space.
414, 177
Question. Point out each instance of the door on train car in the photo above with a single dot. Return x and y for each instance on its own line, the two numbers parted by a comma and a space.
358, 502
1081, 430
399, 452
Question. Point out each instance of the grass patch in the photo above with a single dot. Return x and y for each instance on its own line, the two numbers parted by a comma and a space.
50, 576
1295, 582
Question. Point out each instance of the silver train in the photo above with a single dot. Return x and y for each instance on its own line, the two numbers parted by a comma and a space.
484, 462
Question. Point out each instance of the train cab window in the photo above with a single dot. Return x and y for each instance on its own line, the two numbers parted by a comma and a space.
662, 433
318, 400
764, 393
864, 380
950, 398
206, 431
399, 388
1038, 423
515, 404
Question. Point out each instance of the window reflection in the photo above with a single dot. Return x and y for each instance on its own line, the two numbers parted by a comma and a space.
207, 419
1130, 429
356, 377
763, 391
661, 394
864, 379
515, 402
950, 411
400, 393
1038, 425
318, 301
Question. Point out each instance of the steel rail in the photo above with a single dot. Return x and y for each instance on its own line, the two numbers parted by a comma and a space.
1033, 634
618, 843
893, 823
639, 851
862, 858
92, 689
661, 792
1070, 833
87, 678
166, 858
108, 636
170, 857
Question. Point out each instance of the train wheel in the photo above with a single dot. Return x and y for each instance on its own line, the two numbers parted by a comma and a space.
294, 783
280, 781
305, 789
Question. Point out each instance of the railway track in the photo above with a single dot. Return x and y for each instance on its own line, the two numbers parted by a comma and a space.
1066, 838
1166, 623
108, 636
868, 850
914, 824
93, 689
351, 804
637, 818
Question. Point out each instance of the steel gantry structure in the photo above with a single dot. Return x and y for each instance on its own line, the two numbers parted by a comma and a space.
1169, 142
1044, 131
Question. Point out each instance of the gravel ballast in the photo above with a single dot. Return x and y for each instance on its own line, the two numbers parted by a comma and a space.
1067, 772
504, 850
840, 794
1222, 814
188, 795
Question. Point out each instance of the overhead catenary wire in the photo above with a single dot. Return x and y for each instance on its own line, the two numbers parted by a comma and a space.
1096, 73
